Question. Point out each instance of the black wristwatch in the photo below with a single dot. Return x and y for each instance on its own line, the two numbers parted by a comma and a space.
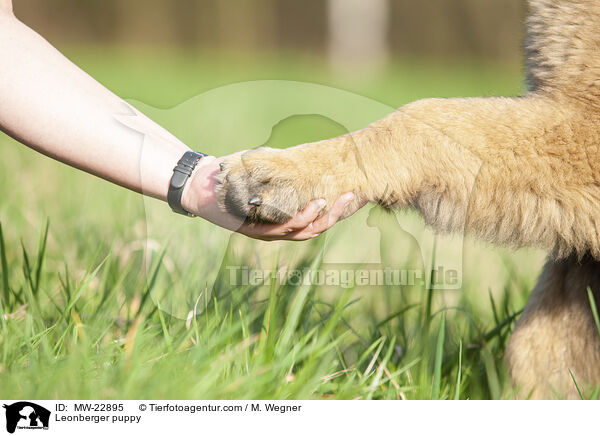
181, 174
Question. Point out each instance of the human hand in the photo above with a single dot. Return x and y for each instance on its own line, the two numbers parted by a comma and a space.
200, 199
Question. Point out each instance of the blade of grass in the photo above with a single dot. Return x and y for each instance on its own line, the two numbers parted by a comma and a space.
594, 309
5, 285
494, 310
491, 372
397, 314
576, 385
374, 358
439, 354
26, 266
381, 367
165, 329
65, 285
429, 301
459, 374
498, 328
29, 289
40, 258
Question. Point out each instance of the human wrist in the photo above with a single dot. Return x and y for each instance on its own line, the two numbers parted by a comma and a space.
198, 191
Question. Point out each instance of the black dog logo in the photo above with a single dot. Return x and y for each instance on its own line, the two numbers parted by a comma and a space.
26, 415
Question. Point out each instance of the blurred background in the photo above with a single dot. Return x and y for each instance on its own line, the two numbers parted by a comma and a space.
338, 42
432, 28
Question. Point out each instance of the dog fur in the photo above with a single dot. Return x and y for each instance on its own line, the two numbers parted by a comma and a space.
519, 171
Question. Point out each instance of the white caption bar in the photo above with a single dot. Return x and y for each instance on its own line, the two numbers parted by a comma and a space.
22, 417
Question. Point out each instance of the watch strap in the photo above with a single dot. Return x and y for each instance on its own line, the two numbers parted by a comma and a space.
181, 173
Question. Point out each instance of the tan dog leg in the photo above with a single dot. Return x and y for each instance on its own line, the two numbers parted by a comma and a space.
557, 334
508, 170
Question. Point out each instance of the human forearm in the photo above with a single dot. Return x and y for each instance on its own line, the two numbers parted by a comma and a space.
51, 105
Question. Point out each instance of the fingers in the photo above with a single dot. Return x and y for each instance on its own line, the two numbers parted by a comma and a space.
301, 221
329, 219
325, 222
305, 225
307, 216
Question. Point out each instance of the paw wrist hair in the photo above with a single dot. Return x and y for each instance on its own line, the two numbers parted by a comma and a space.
181, 173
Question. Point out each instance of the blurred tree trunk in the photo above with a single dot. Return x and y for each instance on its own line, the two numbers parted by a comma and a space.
358, 40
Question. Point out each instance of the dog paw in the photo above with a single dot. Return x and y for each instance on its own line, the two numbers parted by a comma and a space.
266, 185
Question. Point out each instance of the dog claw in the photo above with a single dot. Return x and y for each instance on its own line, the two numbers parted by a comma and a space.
255, 201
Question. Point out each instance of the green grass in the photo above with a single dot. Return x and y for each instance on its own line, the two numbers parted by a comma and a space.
100, 298
101, 336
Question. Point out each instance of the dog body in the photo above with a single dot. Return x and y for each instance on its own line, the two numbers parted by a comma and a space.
519, 171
